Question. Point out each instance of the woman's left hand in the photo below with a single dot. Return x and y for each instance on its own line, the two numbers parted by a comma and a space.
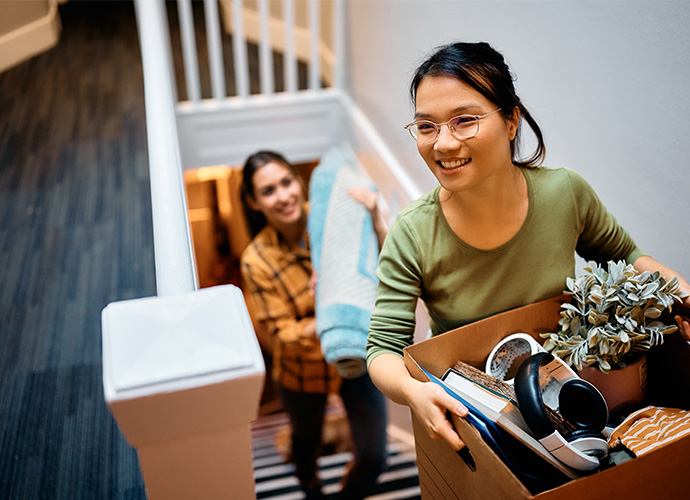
369, 199
364, 196
683, 323
647, 263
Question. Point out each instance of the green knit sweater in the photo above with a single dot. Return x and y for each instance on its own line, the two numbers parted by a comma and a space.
423, 258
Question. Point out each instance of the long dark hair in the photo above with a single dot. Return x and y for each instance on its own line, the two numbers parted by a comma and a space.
256, 220
483, 68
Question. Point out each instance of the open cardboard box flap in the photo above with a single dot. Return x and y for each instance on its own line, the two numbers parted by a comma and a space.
480, 474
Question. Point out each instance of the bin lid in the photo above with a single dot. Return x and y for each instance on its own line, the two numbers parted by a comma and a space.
162, 344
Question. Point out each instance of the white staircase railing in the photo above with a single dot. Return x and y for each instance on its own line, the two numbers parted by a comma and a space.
174, 257
302, 123
270, 31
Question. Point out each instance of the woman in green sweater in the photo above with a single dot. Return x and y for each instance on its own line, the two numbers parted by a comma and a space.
499, 231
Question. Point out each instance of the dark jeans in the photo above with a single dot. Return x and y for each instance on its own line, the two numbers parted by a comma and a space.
366, 412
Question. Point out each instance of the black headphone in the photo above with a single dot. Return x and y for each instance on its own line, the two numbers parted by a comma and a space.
579, 403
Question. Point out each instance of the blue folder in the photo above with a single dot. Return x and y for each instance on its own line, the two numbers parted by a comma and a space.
494, 437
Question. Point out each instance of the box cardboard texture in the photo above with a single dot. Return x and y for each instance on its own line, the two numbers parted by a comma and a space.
479, 474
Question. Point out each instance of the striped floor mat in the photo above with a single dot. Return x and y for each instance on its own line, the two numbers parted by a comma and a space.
275, 478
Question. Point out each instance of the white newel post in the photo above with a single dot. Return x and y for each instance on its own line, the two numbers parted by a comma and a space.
183, 377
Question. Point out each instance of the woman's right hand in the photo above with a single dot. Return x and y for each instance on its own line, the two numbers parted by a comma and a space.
430, 402
427, 400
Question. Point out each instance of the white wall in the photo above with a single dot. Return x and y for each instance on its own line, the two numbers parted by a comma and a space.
609, 83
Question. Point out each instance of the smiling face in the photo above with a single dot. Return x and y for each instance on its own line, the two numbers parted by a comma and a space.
278, 194
468, 163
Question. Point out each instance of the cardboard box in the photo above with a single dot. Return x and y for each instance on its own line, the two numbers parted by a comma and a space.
478, 473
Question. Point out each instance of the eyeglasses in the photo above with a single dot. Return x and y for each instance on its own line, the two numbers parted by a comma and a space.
462, 127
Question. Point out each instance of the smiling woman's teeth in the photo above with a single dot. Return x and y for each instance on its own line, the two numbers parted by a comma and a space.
453, 164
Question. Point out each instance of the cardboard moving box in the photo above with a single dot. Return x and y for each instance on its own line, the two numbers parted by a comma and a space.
478, 473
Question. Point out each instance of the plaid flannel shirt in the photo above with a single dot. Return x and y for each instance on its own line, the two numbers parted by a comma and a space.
277, 280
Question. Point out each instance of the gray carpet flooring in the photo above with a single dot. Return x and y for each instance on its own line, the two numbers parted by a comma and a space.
75, 234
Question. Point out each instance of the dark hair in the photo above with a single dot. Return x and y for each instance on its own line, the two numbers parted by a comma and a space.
256, 220
483, 68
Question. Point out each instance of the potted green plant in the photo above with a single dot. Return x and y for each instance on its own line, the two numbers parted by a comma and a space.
612, 320
613, 316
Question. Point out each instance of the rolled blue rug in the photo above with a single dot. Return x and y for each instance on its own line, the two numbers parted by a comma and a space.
344, 253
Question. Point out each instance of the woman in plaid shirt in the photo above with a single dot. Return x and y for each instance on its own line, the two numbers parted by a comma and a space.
276, 268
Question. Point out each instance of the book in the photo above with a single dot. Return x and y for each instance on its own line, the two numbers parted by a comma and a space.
501, 409
535, 473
